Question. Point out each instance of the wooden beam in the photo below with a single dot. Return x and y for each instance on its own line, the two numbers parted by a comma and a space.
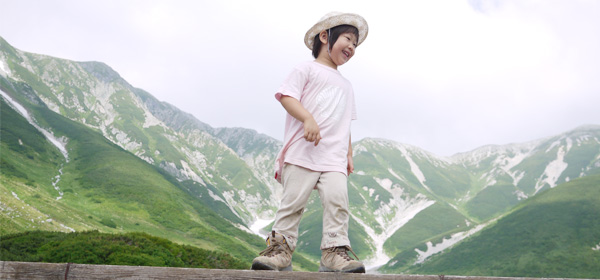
29, 270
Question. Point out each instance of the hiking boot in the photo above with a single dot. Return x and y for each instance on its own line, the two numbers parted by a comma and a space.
277, 256
336, 259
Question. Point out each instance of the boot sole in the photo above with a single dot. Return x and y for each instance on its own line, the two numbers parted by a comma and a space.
354, 270
262, 266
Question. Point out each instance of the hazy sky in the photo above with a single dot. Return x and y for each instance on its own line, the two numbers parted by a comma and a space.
447, 76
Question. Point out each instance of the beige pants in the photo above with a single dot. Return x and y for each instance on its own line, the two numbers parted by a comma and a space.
298, 183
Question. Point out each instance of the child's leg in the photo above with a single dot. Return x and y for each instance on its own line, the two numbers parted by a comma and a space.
333, 190
298, 182
335, 244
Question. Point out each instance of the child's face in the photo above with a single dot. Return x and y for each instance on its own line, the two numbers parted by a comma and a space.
344, 48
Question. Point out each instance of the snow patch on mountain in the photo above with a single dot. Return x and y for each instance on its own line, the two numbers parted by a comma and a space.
385, 183
58, 142
257, 226
391, 217
4, 69
517, 176
554, 144
446, 243
520, 195
396, 175
490, 178
553, 170
414, 168
370, 190
55, 184
506, 163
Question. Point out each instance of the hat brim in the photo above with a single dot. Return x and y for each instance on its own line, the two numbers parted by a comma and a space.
347, 18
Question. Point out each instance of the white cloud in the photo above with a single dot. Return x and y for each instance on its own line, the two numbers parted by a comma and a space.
447, 76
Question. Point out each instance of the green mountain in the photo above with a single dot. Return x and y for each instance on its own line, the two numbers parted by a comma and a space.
554, 234
431, 203
119, 160
99, 186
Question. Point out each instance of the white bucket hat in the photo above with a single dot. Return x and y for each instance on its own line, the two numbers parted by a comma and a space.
334, 19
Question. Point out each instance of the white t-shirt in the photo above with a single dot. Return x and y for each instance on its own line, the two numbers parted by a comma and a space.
329, 97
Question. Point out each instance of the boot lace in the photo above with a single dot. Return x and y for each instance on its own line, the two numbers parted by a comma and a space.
342, 251
275, 248
272, 250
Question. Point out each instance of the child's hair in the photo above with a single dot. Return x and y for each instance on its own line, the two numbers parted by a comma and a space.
334, 34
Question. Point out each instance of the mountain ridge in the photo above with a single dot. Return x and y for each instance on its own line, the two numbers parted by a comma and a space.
396, 186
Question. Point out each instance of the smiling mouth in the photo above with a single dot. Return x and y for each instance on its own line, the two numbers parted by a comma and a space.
347, 54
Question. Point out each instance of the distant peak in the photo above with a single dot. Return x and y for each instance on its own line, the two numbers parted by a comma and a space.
587, 127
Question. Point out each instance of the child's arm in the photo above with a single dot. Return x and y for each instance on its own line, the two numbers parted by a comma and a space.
312, 132
350, 160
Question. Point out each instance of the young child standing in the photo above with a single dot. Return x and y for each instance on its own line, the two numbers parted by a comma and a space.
317, 151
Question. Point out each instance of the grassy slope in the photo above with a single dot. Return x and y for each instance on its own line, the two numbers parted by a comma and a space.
551, 235
492, 201
28, 163
104, 187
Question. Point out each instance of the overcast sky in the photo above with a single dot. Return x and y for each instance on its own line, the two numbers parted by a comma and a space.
447, 76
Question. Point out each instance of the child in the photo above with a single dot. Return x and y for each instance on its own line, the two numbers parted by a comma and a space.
317, 152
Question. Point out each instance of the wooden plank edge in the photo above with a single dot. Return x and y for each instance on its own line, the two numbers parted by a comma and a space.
30, 270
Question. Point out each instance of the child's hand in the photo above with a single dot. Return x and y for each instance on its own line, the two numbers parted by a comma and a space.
350, 165
312, 132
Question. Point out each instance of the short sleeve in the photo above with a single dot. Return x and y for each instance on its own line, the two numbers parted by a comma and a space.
294, 84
